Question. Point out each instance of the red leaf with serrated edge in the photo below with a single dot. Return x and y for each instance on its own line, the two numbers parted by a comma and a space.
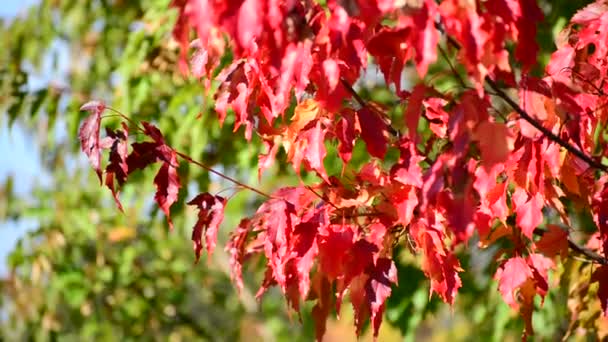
89, 134
334, 244
528, 210
118, 168
332, 73
601, 276
210, 216
495, 141
167, 187
315, 149
382, 276
153, 132
554, 242
389, 48
414, 110
405, 200
236, 247
511, 276
274, 219
142, 155
347, 130
373, 132
304, 251
437, 115
407, 171
438, 263
369, 291
358, 299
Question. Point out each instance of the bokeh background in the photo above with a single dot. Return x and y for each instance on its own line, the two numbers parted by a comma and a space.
72, 267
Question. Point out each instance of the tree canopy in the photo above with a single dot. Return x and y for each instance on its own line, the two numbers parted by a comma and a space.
384, 154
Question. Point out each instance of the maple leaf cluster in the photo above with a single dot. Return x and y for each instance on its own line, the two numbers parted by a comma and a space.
494, 176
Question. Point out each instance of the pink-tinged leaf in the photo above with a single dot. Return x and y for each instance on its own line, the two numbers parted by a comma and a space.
601, 276
382, 276
315, 149
210, 216
511, 276
167, 187
89, 134
540, 266
332, 73
528, 210
309, 146
373, 132
405, 201
561, 61
590, 13
250, 23
407, 171
265, 161
117, 169
554, 242
93, 107
437, 115
495, 141
275, 220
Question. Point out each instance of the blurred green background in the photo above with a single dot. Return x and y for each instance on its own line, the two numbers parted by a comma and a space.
78, 269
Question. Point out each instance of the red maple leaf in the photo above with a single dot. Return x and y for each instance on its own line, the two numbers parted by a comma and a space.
373, 132
210, 216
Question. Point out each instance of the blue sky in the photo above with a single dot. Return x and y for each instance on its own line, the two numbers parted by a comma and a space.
19, 156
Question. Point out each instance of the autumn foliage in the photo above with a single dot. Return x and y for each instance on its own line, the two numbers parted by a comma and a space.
479, 172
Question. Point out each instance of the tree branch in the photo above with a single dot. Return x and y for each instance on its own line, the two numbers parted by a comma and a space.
527, 117
553, 137
591, 255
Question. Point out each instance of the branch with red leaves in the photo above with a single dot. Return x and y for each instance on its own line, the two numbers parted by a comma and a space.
524, 115
468, 174
550, 135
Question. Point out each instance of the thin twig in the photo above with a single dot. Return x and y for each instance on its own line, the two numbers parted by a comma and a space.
587, 253
217, 173
553, 137
454, 71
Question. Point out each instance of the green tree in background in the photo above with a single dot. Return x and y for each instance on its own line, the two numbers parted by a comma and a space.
89, 272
